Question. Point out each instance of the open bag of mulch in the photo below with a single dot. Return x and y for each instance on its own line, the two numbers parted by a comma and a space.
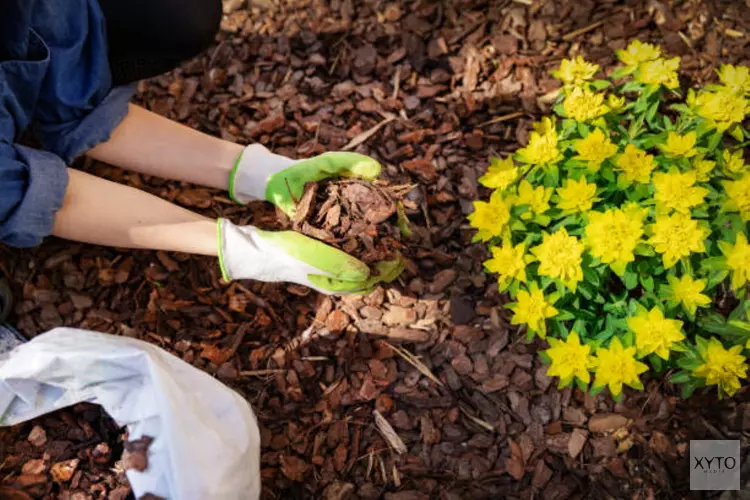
205, 438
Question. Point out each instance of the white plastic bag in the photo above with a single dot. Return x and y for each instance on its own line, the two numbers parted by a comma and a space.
206, 439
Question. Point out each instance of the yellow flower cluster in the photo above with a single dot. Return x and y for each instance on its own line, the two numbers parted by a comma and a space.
612, 237
630, 216
722, 367
490, 219
583, 105
677, 236
738, 194
542, 149
726, 105
576, 71
677, 191
594, 149
636, 165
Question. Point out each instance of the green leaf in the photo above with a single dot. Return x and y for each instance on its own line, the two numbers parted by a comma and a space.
656, 362
647, 282
630, 279
600, 84
542, 220
583, 129
714, 140
594, 391
604, 336
564, 316
731, 330
680, 377
585, 291
687, 390
583, 386
651, 115
632, 86
580, 327
644, 250
545, 357
736, 132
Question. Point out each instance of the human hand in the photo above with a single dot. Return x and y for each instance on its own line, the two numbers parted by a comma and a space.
246, 252
262, 175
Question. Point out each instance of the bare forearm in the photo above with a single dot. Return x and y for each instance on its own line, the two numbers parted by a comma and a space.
102, 212
151, 144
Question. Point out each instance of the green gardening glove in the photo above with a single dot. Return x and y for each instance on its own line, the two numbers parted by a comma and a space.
246, 252
259, 174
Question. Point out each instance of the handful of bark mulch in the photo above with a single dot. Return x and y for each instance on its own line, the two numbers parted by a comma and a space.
364, 219
70, 454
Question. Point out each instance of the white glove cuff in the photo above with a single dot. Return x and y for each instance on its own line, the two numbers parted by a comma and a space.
245, 254
251, 172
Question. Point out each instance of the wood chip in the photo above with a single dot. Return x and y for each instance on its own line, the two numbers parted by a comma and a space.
390, 435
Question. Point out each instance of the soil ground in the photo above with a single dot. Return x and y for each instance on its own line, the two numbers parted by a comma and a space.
432, 89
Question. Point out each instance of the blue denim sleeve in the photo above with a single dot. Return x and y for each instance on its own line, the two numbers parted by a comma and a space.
32, 183
32, 189
77, 106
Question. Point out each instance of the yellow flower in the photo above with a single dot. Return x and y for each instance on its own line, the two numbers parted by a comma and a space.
734, 163
594, 149
500, 175
541, 150
703, 168
633, 210
635, 165
569, 359
660, 72
575, 71
616, 366
544, 126
615, 102
738, 193
537, 198
654, 333
721, 109
559, 256
508, 262
676, 191
637, 53
613, 235
738, 260
584, 105
676, 236
577, 196
490, 219
532, 309
722, 367
735, 78
680, 145
687, 291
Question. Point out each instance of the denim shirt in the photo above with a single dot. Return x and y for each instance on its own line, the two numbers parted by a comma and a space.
55, 82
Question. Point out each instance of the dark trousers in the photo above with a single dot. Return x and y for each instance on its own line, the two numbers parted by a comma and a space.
150, 37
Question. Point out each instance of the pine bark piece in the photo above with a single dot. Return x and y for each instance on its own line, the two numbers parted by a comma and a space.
606, 422
135, 455
352, 215
389, 434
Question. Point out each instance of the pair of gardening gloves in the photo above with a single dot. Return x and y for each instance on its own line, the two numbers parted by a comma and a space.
246, 252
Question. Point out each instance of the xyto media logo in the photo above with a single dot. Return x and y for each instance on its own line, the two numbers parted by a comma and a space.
715, 465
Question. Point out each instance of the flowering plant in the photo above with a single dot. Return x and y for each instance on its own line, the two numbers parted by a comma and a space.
620, 230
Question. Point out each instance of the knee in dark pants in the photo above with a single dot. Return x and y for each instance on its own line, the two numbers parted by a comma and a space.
197, 25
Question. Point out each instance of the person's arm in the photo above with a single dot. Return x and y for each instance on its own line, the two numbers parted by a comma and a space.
154, 145
106, 213
151, 144
102, 212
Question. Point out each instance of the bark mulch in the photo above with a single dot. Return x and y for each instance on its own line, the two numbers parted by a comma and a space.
421, 389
